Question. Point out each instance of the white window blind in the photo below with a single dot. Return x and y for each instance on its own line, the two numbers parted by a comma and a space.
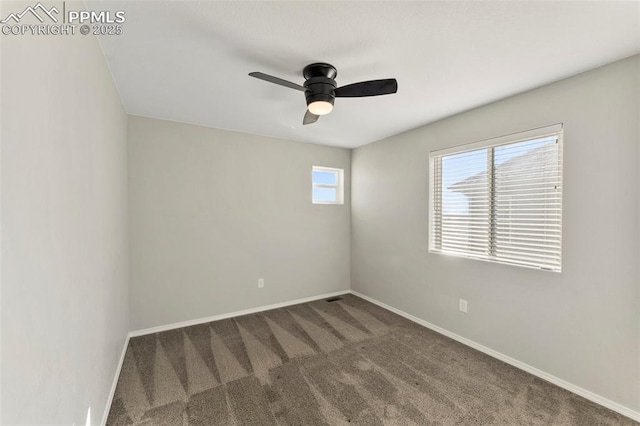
500, 200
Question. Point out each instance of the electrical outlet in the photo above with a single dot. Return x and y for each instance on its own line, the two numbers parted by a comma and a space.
260, 282
462, 305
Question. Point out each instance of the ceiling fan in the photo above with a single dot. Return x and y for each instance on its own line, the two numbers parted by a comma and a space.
320, 88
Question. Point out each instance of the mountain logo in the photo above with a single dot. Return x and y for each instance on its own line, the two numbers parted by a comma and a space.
33, 10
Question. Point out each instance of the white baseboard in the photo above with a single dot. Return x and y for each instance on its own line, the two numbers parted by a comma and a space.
614, 406
232, 314
115, 382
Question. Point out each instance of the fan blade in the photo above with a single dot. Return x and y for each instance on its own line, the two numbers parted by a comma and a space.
368, 88
310, 118
276, 80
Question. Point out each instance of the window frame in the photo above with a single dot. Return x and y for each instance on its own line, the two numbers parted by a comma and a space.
528, 135
339, 185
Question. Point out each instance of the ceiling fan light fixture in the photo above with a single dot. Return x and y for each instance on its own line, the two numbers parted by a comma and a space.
320, 88
320, 107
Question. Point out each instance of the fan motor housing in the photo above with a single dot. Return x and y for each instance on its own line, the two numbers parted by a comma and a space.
320, 83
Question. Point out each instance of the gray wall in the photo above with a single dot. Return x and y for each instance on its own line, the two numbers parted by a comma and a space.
64, 218
582, 325
211, 211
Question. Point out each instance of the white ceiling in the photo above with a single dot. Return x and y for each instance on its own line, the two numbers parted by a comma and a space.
188, 61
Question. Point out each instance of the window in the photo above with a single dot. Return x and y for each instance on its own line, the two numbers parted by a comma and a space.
500, 200
327, 185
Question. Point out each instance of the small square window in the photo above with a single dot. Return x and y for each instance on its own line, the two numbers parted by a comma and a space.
327, 186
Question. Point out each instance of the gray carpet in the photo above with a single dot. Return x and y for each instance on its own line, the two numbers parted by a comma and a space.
331, 363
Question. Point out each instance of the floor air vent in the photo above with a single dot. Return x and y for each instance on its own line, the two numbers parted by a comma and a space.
333, 299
